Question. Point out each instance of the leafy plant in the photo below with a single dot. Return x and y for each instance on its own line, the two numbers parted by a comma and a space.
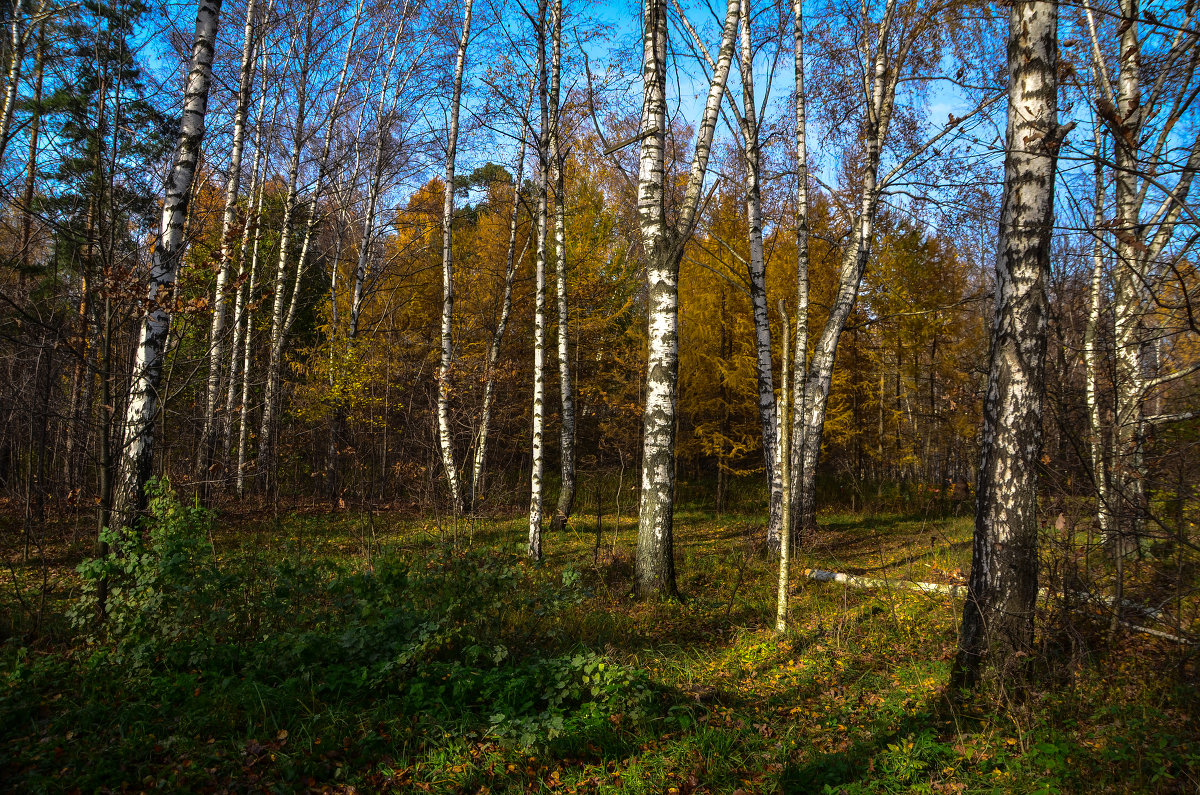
156, 584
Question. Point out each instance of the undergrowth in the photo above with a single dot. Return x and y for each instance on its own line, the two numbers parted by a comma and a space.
306, 654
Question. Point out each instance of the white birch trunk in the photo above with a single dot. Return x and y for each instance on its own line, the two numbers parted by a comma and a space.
663, 247
16, 55
216, 346
537, 432
248, 350
566, 494
489, 382
1128, 428
137, 452
800, 367
244, 297
785, 464
1091, 354
266, 462
281, 323
997, 626
445, 436
752, 158
880, 95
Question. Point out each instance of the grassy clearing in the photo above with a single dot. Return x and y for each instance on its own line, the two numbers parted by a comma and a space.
362, 653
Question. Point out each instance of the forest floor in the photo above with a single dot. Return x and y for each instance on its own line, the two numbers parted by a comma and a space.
356, 652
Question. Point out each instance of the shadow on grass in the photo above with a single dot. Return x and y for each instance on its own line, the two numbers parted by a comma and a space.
906, 751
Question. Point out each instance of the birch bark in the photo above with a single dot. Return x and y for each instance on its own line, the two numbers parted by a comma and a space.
247, 347
785, 477
445, 437
1143, 121
752, 158
566, 494
281, 324
1129, 427
997, 626
244, 297
16, 53
747, 119
800, 366
216, 346
654, 566
137, 453
489, 384
880, 92
537, 451
265, 462
1091, 353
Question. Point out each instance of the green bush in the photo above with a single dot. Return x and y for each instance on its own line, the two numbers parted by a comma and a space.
157, 584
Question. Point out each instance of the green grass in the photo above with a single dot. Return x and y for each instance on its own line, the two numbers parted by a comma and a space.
324, 652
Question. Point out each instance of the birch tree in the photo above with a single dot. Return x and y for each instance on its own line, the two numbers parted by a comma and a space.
489, 381
445, 438
997, 625
1155, 157
281, 323
137, 452
899, 47
746, 117
265, 460
782, 595
663, 247
752, 158
799, 386
216, 356
538, 451
262, 154
243, 297
566, 494
1091, 347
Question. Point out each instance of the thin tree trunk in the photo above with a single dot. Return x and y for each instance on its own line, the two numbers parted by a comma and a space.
245, 297
997, 626
445, 436
1091, 353
1128, 282
566, 494
216, 351
384, 114
281, 324
35, 127
537, 451
1143, 127
785, 464
799, 386
248, 348
489, 385
881, 98
265, 461
137, 454
752, 157
104, 474
374, 189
